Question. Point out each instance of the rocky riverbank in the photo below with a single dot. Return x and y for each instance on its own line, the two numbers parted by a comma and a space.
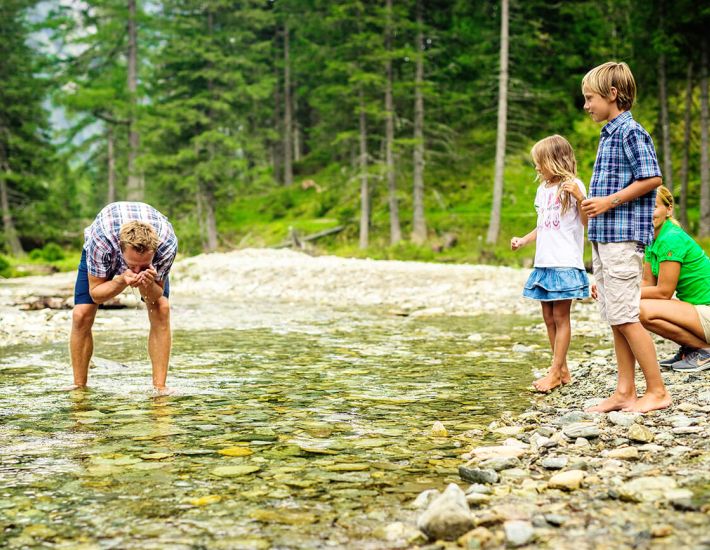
557, 477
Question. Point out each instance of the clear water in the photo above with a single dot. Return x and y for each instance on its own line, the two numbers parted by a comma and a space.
331, 412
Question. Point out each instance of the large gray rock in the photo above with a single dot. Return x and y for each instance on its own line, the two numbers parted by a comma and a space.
647, 489
478, 475
581, 429
448, 516
623, 418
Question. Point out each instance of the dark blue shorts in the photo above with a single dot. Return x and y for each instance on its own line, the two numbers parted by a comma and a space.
81, 288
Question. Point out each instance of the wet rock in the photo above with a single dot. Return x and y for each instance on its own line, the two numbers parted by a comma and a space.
478, 475
581, 429
448, 516
424, 499
439, 430
637, 432
518, 533
483, 453
500, 463
478, 488
568, 481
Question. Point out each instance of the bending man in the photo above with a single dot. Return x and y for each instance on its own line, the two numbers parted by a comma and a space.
128, 244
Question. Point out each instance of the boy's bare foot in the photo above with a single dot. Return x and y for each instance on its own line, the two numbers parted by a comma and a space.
616, 402
650, 402
159, 392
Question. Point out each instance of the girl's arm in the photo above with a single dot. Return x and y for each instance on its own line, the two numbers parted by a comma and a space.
519, 242
665, 285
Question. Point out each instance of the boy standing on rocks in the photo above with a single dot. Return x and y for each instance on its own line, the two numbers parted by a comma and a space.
620, 206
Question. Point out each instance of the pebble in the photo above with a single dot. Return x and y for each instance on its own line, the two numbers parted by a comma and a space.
637, 432
554, 462
518, 533
569, 480
581, 429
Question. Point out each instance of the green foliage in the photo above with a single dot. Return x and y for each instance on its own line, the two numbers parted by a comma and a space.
4, 267
51, 252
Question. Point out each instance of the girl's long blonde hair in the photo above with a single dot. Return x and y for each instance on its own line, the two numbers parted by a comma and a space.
555, 156
667, 199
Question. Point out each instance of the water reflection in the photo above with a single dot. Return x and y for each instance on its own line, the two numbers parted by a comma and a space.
313, 433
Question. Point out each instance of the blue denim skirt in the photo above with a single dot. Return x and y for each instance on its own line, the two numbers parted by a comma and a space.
557, 283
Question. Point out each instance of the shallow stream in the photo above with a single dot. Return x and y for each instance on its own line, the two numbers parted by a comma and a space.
294, 426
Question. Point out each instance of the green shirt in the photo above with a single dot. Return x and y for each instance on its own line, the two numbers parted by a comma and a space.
675, 245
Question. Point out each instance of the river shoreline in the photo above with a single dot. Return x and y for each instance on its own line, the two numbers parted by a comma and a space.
557, 477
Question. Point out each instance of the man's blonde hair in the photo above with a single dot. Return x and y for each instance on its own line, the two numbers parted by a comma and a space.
555, 155
140, 236
610, 75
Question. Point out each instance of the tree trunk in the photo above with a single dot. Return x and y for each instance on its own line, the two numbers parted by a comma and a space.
11, 239
704, 230
296, 130
364, 186
684, 170
276, 144
111, 153
210, 221
395, 231
288, 117
494, 225
419, 232
134, 187
665, 123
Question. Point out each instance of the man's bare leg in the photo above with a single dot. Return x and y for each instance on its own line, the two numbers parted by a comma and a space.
159, 342
81, 342
625, 394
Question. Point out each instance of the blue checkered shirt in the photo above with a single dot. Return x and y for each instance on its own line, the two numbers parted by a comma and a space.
625, 155
103, 250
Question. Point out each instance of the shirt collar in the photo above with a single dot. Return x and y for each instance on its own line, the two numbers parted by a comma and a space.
613, 125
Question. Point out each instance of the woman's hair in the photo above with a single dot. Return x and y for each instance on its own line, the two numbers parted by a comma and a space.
610, 75
667, 199
555, 155
140, 236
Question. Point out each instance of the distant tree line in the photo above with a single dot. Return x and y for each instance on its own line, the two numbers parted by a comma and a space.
191, 103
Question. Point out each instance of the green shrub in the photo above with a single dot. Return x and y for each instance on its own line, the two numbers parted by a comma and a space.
4, 267
51, 252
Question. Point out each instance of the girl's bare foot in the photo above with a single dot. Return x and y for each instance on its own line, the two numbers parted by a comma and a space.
651, 402
616, 402
553, 379
159, 392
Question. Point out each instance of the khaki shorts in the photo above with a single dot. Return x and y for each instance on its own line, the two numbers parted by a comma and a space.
704, 314
617, 270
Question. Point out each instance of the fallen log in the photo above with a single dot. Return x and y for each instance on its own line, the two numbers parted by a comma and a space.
295, 240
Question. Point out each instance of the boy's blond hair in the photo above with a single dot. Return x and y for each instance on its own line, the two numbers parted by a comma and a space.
610, 75
140, 236
555, 155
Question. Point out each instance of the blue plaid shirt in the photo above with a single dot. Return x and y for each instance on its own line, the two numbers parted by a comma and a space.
625, 155
103, 249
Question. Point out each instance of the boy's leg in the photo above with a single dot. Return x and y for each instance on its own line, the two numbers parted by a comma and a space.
642, 348
556, 315
611, 290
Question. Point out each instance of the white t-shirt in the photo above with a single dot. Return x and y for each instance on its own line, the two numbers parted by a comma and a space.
560, 238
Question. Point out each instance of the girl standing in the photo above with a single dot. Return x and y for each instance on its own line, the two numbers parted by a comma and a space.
558, 276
